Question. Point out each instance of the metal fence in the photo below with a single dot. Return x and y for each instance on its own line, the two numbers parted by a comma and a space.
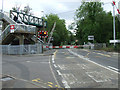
22, 49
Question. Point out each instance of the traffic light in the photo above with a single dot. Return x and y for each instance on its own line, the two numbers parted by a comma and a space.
42, 34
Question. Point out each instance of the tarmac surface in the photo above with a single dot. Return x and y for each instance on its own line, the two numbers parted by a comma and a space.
62, 68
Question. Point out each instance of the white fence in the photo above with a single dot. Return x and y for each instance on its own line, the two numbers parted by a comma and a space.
22, 49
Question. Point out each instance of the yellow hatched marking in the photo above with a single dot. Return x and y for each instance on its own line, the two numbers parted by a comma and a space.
56, 85
50, 82
35, 80
50, 86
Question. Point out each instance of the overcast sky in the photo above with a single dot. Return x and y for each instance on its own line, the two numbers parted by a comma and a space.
64, 8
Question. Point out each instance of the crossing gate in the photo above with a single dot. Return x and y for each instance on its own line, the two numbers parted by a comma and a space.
60, 47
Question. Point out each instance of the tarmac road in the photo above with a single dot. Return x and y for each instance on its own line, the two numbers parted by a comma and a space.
63, 68
78, 69
30, 71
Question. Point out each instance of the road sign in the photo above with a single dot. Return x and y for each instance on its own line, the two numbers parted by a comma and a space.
12, 28
91, 37
114, 41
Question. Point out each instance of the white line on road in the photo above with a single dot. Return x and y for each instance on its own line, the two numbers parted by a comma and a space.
59, 73
65, 83
53, 60
55, 65
53, 72
80, 56
94, 78
113, 68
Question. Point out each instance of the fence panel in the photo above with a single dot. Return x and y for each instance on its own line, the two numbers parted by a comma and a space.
22, 49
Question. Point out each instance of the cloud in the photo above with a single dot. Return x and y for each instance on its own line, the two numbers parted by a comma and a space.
64, 8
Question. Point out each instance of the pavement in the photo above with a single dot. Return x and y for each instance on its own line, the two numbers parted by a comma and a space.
62, 68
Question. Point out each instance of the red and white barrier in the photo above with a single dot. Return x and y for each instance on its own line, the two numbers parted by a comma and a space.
57, 47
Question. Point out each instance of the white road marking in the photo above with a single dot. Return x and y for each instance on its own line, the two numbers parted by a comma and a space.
113, 68
59, 73
52, 57
27, 61
69, 78
62, 67
53, 72
80, 56
53, 60
100, 79
70, 57
87, 54
65, 83
55, 65
37, 62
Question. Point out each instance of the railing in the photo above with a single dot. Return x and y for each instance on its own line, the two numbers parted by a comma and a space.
28, 19
25, 28
39, 40
18, 28
5, 32
5, 15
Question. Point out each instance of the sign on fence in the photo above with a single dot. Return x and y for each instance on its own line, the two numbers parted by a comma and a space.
12, 28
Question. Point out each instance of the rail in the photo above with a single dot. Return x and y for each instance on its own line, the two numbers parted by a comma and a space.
18, 28
28, 19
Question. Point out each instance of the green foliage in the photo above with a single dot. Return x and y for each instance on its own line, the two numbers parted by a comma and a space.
92, 20
60, 34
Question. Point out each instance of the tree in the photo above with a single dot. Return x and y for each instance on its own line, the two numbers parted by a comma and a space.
60, 34
92, 20
71, 38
